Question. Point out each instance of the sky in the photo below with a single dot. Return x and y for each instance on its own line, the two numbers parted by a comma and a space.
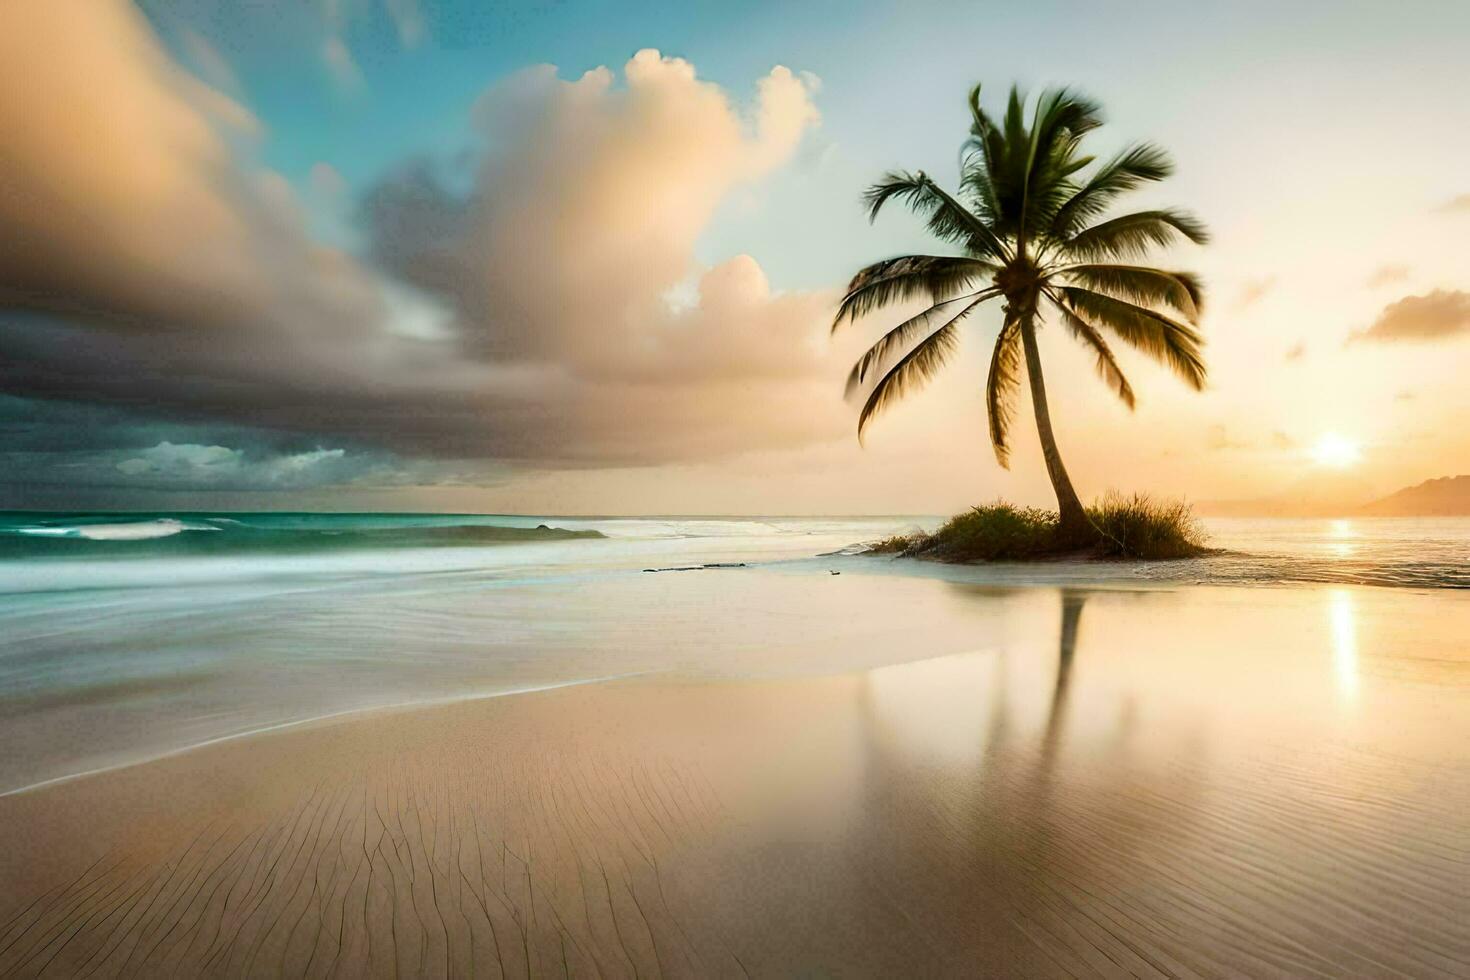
570, 257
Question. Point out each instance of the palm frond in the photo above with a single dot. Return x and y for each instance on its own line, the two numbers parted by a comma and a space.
947, 218
914, 368
1058, 123
975, 180
1006, 149
933, 277
901, 335
981, 124
1161, 337
1015, 122
1001, 385
1140, 163
1107, 365
981, 162
1142, 284
895, 183
1134, 234
983, 239
1063, 110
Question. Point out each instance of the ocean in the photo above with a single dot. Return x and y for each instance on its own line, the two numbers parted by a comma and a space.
125, 637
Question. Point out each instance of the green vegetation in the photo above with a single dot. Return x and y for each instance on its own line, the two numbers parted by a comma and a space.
1139, 527
1117, 527
1031, 224
896, 545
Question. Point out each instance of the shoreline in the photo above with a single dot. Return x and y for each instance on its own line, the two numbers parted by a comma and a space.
950, 573
1079, 791
347, 714
1252, 570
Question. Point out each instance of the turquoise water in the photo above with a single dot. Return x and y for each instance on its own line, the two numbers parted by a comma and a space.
125, 636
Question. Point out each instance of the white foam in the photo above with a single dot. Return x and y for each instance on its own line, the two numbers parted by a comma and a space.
132, 531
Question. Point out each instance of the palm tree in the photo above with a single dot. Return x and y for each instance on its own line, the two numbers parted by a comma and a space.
1031, 230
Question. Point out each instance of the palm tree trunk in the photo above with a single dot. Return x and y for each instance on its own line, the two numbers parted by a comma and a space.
1074, 523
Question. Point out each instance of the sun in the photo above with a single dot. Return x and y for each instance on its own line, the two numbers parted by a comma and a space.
1336, 451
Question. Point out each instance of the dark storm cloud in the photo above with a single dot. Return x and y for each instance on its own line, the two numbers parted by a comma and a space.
523, 316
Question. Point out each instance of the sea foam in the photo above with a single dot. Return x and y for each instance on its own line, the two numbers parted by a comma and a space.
131, 531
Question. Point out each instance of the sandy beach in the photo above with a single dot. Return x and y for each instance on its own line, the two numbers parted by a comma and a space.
1110, 782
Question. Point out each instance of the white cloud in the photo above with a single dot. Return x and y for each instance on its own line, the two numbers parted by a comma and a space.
340, 64
210, 64
1386, 274
582, 226
409, 21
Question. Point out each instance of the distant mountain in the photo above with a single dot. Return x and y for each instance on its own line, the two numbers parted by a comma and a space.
1343, 496
1449, 496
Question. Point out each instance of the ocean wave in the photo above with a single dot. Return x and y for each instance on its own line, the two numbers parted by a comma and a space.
1379, 551
163, 527
228, 535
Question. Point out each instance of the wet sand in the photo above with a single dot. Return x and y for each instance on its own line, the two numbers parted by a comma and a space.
1191, 782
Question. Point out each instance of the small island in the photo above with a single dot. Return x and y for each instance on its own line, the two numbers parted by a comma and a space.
1118, 527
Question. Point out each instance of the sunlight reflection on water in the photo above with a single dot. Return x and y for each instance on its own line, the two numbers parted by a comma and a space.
1344, 642
1340, 532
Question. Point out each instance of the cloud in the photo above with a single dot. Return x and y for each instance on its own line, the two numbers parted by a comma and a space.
212, 65
1459, 204
211, 466
1218, 439
123, 206
196, 466
327, 181
63, 446
408, 19
1386, 274
581, 221
1252, 291
1433, 316
340, 64
516, 313
586, 213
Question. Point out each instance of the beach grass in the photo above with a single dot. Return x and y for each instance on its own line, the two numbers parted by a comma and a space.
1139, 526
1134, 526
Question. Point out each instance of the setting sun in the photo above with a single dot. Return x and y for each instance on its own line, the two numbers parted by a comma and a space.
1336, 451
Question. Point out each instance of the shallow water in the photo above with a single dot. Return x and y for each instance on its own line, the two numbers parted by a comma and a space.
124, 638
1118, 780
